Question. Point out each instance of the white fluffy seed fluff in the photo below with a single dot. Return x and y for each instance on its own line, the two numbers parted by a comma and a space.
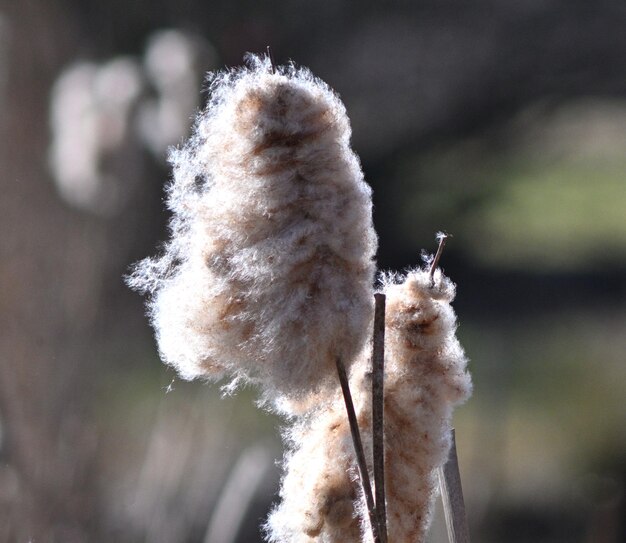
320, 486
425, 377
268, 274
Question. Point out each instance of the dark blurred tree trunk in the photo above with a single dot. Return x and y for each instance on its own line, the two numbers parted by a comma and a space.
51, 276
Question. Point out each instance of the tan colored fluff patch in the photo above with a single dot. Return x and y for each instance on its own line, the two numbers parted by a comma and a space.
318, 490
267, 277
425, 377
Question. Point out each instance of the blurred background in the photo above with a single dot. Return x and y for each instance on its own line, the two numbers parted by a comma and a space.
501, 122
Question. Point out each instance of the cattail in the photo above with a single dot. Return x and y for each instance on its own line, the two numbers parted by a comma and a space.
267, 277
425, 378
320, 483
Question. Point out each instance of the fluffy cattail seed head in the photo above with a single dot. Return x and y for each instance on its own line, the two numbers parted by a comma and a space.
425, 378
267, 277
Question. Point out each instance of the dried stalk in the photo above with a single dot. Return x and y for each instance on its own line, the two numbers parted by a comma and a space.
443, 237
378, 434
270, 55
358, 449
452, 497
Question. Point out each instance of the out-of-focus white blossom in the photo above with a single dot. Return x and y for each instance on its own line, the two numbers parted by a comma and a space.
268, 275
425, 378
101, 115
171, 63
89, 116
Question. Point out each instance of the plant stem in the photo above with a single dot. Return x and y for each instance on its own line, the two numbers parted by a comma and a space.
270, 55
378, 409
452, 497
443, 237
358, 449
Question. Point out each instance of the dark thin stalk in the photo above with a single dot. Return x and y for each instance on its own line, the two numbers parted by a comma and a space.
378, 412
443, 237
270, 55
452, 497
358, 449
